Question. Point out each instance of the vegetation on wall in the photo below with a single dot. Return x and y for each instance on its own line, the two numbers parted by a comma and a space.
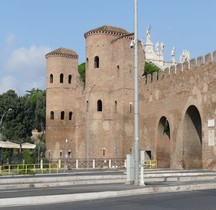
81, 70
150, 68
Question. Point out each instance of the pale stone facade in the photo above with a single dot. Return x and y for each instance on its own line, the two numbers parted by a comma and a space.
176, 106
154, 53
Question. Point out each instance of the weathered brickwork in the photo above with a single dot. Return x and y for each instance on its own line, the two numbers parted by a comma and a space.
177, 107
102, 124
184, 96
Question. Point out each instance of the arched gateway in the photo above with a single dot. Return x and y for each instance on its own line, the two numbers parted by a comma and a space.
192, 139
163, 143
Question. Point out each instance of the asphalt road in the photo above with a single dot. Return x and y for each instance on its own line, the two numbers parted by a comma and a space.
194, 200
73, 189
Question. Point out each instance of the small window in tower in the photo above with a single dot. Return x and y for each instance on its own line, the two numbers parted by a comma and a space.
62, 115
69, 154
86, 67
131, 150
115, 108
131, 107
52, 115
99, 106
69, 79
60, 153
87, 106
70, 115
61, 78
51, 78
104, 151
118, 70
96, 62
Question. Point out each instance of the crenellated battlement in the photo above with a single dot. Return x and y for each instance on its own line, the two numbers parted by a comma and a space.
181, 67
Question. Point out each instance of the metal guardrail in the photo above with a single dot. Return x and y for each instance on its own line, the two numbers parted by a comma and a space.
31, 168
151, 164
56, 167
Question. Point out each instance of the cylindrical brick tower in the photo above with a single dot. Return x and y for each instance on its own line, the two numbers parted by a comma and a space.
110, 92
61, 80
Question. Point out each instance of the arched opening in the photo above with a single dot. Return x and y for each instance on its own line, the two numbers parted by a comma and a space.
118, 70
51, 78
69, 79
163, 143
99, 106
62, 115
96, 62
61, 78
52, 115
70, 115
87, 63
87, 106
115, 107
192, 139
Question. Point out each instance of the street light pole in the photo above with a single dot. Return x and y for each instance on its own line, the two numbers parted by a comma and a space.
136, 99
88, 139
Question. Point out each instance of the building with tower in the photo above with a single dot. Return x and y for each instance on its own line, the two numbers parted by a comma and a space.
177, 106
95, 119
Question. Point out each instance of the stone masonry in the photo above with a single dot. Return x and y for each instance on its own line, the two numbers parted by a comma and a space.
176, 106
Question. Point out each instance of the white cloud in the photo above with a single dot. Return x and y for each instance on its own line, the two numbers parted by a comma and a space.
28, 61
27, 67
8, 83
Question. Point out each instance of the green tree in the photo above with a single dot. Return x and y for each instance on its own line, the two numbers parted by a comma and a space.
81, 70
150, 68
18, 123
38, 100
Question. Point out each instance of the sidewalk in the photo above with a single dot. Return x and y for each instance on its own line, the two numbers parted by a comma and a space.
71, 193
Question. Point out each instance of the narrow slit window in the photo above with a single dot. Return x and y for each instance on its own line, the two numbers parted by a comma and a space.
87, 106
51, 78
99, 106
70, 115
61, 78
115, 108
62, 115
96, 62
130, 107
52, 115
118, 70
87, 63
69, 79
104, 152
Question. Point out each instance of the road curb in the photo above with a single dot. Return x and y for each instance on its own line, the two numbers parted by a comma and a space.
52, 199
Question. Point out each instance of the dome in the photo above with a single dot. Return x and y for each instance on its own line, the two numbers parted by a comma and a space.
62, 52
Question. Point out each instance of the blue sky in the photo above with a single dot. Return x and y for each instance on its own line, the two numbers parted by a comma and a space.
31, 28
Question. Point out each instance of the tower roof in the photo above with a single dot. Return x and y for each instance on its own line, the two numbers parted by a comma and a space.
108, 30
62, 52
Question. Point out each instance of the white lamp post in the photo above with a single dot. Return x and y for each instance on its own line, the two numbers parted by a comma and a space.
136, 99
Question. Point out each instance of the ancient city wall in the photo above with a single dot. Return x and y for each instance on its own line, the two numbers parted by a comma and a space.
185, 96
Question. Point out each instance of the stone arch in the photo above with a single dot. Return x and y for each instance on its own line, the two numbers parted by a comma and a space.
192, 139
163, 143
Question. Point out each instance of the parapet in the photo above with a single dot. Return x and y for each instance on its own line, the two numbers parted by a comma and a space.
181, 67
